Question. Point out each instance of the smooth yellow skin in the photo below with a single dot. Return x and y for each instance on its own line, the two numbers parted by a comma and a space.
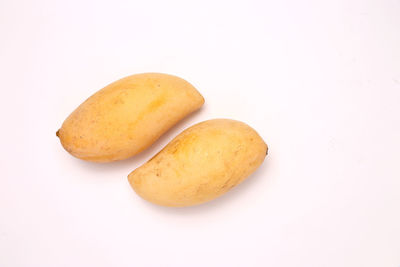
127, 116
200, 164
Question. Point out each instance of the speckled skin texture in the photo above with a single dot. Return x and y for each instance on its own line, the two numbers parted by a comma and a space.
200, 164
127, 116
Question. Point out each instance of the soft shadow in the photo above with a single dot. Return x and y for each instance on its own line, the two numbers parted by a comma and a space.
145, 155
218, 203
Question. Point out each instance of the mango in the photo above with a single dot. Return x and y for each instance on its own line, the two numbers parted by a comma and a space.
127, 116
200, 164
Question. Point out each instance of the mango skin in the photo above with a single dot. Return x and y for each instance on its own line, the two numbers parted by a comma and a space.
200, 164
127, 116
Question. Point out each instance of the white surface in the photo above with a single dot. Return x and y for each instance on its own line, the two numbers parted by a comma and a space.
319, 80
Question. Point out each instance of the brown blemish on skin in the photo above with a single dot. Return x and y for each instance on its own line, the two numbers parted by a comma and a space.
154, 156
225, 185
201, 188
230, 187
158, 172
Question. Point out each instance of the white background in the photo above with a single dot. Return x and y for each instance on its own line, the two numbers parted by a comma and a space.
319, 80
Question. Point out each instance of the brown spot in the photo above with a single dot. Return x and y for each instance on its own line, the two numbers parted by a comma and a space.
201, 188
154, 156
58, 133
225, 185
230, 187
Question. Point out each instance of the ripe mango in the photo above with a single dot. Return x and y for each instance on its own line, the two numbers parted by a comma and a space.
200, 164
127, 116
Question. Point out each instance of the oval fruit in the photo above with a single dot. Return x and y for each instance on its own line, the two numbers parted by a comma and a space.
127, 116
200, 164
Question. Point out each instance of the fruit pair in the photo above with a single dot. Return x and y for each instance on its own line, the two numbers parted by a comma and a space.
129, 115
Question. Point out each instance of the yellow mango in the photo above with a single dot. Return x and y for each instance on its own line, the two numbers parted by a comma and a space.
127, 116
200, 164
